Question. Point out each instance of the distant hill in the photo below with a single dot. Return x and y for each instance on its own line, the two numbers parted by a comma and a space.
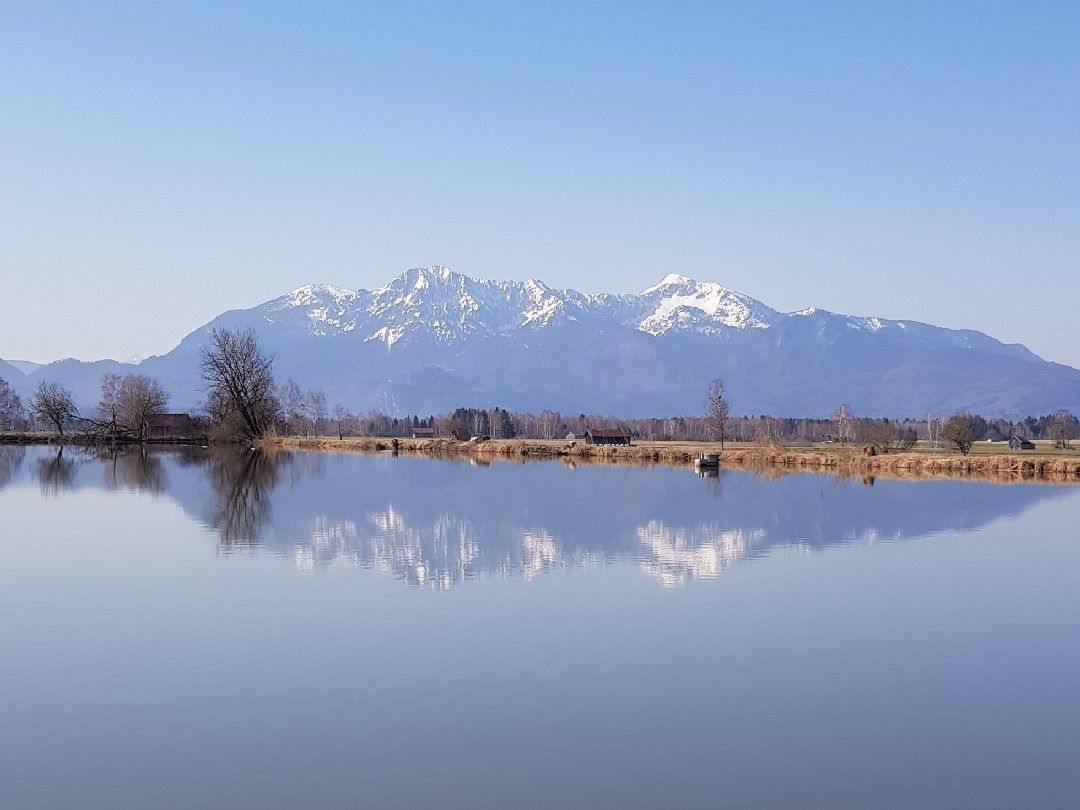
11, 372
26, 366
433, 339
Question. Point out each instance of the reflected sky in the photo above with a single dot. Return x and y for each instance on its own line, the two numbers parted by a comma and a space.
188, 628
436, 524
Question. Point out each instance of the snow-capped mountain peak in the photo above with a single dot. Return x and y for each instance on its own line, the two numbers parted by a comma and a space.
438, 303
442, 304
434, 339
668, 282
311, 294
315, 309
679, 302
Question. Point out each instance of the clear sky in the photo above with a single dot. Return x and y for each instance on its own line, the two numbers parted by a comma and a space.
160, 165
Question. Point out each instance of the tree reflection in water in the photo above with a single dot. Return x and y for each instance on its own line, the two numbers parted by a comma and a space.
133, 468
242, 485
11, 461
435, 524
56, 472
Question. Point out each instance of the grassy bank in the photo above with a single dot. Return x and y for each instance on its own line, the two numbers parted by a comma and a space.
41, 437
988, 462
847, 461
77, 439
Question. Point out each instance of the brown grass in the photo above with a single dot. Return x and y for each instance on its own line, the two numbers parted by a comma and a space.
845, 461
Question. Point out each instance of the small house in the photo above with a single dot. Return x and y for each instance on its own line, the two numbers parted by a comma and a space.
423, 433
1019, 443
168, 427
607, 436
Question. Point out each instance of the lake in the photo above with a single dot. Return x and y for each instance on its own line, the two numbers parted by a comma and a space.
193, 628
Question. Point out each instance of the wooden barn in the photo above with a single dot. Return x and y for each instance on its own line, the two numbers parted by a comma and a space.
607, 436
1020, 443
423, 433
168, 427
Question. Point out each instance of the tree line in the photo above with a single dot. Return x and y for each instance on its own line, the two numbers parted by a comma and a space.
244, 402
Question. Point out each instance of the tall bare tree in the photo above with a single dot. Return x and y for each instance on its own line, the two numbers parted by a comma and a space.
548, 424
844, 423
110, 398
292, 404
717, 412
11, 407
340, 417
769, 431
315, 408
127, 402
54, 405
240, 380
140, 398
933, 429
1064, 427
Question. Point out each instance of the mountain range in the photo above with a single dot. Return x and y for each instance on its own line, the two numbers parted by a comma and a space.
433, 339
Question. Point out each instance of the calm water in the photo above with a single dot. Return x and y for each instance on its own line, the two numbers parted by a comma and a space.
183, 629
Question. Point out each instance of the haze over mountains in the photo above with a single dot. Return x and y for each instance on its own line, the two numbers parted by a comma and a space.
432, 340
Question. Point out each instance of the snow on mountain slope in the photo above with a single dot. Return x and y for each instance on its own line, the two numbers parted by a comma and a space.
449, 306
432, 339
320, 308
678, 302
435, 303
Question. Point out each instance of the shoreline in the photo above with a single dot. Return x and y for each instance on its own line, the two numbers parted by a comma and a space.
767, 460
82, 440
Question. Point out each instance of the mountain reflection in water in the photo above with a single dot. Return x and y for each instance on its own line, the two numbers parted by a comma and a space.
435, 524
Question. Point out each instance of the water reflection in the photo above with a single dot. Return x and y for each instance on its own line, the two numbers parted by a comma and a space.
675, 556
435, 524
55, 472
241, 484
58, 468
133, 468
11, 461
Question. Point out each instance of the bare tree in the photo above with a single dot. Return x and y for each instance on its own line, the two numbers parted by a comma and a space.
962, 430
11, 407
56, 474
886, 436
717, 412
292, 404
340, 415
769, 431
53, 404
877, 433
933, 429
548, 424
315, 408
138, 398
125, 406
844, 423
454, 426
1064, 427
240, 379
110, 398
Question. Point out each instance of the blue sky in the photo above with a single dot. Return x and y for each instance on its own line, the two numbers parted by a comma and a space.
160, 165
